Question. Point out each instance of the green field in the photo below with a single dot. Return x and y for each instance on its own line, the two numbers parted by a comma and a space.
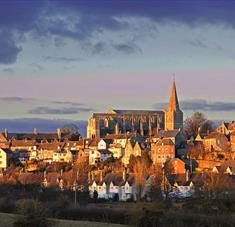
7, 220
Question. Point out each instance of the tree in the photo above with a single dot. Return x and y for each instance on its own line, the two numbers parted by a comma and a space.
141, 170
196, 121
217, 185
72, 131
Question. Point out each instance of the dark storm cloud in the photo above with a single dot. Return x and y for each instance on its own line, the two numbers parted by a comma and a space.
53, 18
202, 105
59, 111
8, 48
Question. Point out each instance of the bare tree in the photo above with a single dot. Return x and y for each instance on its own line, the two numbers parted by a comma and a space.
141, 170
196, 121
217, 185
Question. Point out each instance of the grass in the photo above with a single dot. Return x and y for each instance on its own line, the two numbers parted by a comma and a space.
7, 220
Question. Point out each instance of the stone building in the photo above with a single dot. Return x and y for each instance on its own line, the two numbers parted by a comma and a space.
145, 122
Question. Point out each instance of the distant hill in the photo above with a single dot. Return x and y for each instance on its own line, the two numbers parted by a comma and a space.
43, 125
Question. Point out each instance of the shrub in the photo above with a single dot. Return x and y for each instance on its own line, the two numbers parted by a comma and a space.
33, 214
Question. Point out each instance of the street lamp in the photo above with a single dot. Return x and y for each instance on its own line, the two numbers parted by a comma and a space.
75, 185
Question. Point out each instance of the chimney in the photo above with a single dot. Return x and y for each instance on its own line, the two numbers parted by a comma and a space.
92, 176
101, 176
141, 128
44, 174
187, 175
59, 133
124, 174
61, 172
84, 144
35, 131
89, 177
150, 127
117, 128
6, 133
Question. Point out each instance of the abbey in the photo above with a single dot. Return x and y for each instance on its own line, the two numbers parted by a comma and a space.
145, 122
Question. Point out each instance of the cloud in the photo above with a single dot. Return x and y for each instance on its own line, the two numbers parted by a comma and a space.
127, 48
99, 48
85, 20
8, 49
58, 111
201, 105
62, 59
14, 99
197, 43
9, 70
68, 103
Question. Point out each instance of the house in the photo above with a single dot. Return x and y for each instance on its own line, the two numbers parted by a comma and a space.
5, 157
176, 136
104, 144
83, 155
176, 166
114, 184
181, 186
215, 142
162, 150
227, 167
226, 127
4, 142
22, 145
232, 140
94, 157
117, 150
62, 156
132, 148
74, 145
46, 150
99, 185
128, 190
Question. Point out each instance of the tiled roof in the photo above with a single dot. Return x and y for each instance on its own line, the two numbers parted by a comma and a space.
169, 133
164, 141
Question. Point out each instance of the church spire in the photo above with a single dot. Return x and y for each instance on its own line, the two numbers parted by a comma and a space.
174, 103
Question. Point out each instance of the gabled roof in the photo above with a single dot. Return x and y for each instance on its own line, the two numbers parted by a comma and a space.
22, 143
212, 135
105, 151
180, 179
2, 137
7, 151
164, 142
51, 146
136, 112
168, 133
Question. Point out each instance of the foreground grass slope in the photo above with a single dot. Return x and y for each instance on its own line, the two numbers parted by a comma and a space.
7, 220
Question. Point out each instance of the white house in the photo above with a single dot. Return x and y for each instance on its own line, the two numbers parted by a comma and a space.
101, 189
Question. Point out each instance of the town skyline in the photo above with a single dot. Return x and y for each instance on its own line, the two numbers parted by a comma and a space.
67, 59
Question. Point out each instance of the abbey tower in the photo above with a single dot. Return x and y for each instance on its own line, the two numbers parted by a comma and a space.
173, 115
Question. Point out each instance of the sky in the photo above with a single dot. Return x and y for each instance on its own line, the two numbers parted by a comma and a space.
66, 59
